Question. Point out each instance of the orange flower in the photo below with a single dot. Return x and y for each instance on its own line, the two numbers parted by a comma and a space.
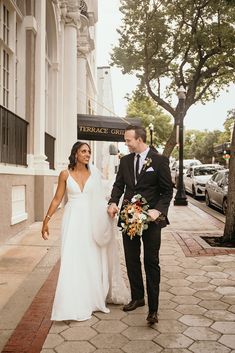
134, 216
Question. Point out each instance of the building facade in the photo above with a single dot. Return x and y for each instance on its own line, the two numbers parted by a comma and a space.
105, 152
47, 76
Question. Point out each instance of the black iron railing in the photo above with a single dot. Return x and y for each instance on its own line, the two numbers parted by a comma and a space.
50, 150
13, 138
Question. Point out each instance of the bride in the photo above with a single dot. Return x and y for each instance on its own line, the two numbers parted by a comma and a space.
90, 274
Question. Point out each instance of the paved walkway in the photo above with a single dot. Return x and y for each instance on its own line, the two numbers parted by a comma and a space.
197, 300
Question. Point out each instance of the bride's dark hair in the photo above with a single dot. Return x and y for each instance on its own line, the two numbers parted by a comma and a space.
72, 158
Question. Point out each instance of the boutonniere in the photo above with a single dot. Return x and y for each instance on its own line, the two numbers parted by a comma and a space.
147, 163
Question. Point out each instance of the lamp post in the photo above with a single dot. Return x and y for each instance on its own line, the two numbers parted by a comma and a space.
180, 197
151, 133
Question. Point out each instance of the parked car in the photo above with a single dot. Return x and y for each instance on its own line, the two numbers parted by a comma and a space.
196, 177
186, 164
217, 190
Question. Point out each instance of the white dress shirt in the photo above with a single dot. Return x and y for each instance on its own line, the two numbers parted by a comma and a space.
143, 156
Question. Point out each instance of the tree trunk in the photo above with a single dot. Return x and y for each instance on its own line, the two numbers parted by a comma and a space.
172, 141
229, 230
170, 144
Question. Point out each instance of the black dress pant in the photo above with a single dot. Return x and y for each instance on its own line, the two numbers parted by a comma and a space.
132, 247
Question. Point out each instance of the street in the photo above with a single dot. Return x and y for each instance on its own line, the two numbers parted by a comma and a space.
197, 294
200, 203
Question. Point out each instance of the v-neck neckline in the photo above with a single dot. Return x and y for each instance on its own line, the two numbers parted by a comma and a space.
81, 190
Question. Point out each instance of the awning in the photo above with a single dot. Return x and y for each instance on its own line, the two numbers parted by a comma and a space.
103, 128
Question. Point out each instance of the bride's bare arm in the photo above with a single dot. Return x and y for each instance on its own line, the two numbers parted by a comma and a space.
60, 191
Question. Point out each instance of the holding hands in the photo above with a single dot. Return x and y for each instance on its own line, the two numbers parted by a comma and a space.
112, 210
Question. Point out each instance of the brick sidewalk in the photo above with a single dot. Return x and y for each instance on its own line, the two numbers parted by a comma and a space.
197, 303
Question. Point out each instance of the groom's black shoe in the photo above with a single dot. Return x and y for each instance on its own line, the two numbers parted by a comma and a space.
133, 305
152, 317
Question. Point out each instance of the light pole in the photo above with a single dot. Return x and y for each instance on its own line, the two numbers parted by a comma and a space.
180, 197
151, 128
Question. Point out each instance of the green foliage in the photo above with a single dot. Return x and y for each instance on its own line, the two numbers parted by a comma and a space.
228, 126
230, 2
178, 42
146, 108
200, 145
205, 151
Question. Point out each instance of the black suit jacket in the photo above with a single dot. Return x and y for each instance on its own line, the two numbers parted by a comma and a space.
154, 183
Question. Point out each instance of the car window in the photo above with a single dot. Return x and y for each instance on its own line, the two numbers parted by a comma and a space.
196, 172
205, 171
195, 163
214, 176
218, 177
174, 165
189, 163
186, 163
225, 179
189, 172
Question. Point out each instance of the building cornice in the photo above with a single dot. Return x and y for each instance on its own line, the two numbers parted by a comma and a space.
70, 13
30, 24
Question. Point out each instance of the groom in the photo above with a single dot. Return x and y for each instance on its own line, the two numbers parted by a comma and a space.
144, 172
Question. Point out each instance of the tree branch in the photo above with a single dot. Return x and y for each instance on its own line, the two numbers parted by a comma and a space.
203, 91
159, 100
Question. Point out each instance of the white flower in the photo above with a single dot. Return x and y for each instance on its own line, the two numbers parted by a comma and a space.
147, 162
135, 216
135, 198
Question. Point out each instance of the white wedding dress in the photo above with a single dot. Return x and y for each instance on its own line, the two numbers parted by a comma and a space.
90, 274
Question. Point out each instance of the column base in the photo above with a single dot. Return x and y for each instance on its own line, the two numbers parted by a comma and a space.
180, 197
180, 202
38, 163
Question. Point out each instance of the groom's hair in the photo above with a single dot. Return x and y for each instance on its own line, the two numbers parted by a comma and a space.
139, 131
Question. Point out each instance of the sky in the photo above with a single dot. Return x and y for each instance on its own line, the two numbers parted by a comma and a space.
200, 117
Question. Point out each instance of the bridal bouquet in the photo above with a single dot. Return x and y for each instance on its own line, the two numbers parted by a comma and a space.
134, 216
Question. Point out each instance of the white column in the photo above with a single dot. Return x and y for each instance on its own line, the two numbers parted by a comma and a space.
60, 163
84, 49
70, 89
82, 83
39, 121
69, 119
54, 121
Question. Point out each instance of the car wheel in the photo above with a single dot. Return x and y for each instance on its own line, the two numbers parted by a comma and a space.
208, 203
225, 206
